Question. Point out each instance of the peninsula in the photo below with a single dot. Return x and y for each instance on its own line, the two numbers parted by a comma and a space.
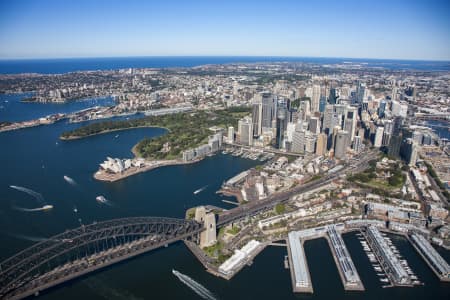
184, 131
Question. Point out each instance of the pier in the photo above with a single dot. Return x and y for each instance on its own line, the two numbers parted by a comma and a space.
434, 260
395, 271
347, 271
301, 279
300, 274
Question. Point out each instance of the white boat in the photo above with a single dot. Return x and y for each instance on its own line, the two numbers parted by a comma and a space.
116, 136
101, 199
47, 207
200, 190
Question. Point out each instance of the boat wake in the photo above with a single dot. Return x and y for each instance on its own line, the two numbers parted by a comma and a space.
194, 285
36, 195
70, 180
200, 190
30, 238
43, 208
102, 200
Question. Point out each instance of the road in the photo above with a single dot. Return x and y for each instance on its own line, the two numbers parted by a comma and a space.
355, 165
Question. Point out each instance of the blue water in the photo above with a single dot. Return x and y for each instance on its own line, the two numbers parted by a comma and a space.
13, 110
37, 159
57, 66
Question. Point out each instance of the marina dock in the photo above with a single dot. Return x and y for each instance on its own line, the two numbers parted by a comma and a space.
434, 260
297, 259
394, 270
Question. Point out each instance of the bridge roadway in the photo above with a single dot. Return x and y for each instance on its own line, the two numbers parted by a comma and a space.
85, 249
355, 165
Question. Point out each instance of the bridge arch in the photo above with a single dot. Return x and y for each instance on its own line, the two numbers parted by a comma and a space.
87, 248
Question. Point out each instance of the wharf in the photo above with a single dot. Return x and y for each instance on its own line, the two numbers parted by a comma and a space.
347, 270
300, 276
388, 261
433, 259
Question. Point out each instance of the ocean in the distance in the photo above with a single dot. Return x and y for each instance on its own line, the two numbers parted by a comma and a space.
58, 66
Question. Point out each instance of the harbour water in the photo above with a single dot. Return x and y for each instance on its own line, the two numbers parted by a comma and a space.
36, 159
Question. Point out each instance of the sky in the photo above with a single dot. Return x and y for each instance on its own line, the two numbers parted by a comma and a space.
396, 29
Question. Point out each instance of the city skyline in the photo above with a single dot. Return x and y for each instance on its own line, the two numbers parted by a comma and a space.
415, 30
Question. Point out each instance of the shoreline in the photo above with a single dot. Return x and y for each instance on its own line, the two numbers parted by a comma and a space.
71, 138
154, 164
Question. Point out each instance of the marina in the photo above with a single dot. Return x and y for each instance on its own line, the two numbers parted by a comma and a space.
434, 260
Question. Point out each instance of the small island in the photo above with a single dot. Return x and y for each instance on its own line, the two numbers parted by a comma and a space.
184, 131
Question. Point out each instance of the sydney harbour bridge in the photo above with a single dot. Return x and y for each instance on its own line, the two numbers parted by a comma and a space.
87, 248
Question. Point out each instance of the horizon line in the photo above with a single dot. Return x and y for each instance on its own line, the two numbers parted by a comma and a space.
209, 55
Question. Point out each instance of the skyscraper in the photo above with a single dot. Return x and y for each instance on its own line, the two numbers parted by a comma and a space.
314, 125
281, 124
341, 144
321, 146
378, 140
257, 116
357, 144
315, 100
231, 134
360, 91
395, 141
382, 109
350, 121
298, 141
333, 96
245, 131
322, 103
267, 101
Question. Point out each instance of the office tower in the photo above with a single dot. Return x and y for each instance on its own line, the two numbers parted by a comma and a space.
310, 142
399, 109
341, 144
314, 125
245, 129
304, 109
281, 123
350, 121
395, 141
298, 141
357, 144
231, 134
322, 103
382, 109
267, 101
290, 131
414, 154
257, 116
378, 140
332, 137
321, 146
315, 99
327, 124
394, 93
365, 105
332, 99
360, 91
